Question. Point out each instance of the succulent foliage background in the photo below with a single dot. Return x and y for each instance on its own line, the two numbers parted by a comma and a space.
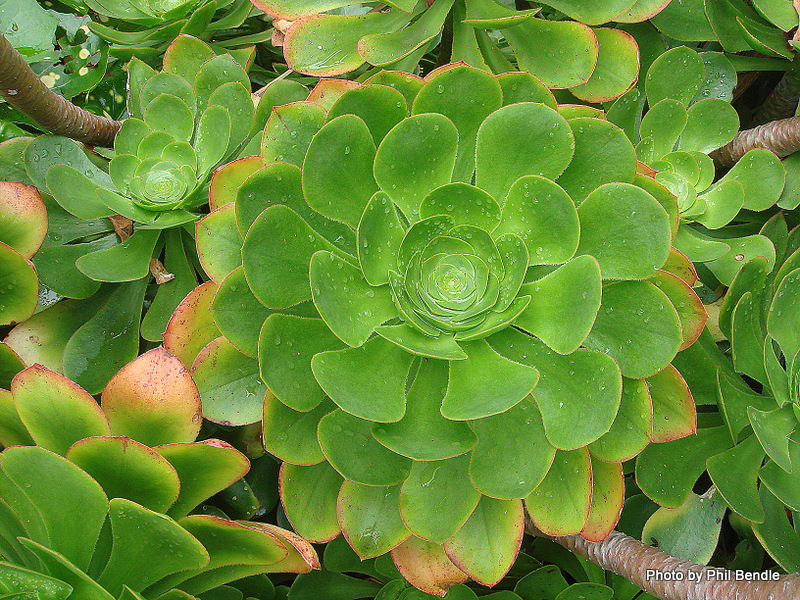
340, 300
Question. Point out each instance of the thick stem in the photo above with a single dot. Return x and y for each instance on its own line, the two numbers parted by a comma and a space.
782, 101
646, 567
23, 90
781, 137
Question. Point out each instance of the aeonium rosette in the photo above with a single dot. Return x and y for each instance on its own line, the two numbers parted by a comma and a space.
468, 305
185, 120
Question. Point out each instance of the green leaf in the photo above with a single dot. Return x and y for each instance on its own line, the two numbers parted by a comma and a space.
565, 384
229, 384
710, 124
204, 468
637, 326
626, 230
786, 301
735, 474
309, 497
666, 472
587, 591
370, 518
773, 429
71, 504
379, 237
107, 341
563, 304
337, 172
29, 28
12, 431
608, 496
678, 73
526, 452
367, 382
238, 313
444, 346
616, 70
741, 251
348, 304
171, 115
289, 131
466, 96
286, 346
192, 325
560, 503
219, 242
350, 449
630, 432
405, 83
171, 293
544, 216
544, 582
185, 55
438, 498
236, 550
19, 286
690, 531
126, 261
723, 203
141, 536
674, 414
423, 433
487, 544
379, 107
325, 45
335, 586
18, 580
776, 534
56, 412
127, 469
664, 122
485, 384
212, 137
276, 254
603, 154
386, 48
558, 53
518, 140
414, 158
524, 87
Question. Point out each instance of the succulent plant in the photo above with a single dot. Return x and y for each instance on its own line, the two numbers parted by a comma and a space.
447, 277
152, 193
690, 116
738, 26
749, 448
555, 42
144, 28
97, 498
185, 120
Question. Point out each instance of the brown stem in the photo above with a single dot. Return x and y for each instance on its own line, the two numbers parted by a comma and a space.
23, 90
646, 567
782, 101
781, 137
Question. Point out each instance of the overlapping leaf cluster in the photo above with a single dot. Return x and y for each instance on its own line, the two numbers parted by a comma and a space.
465, 300
96, 499
688, 117
751, 453
560, 43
